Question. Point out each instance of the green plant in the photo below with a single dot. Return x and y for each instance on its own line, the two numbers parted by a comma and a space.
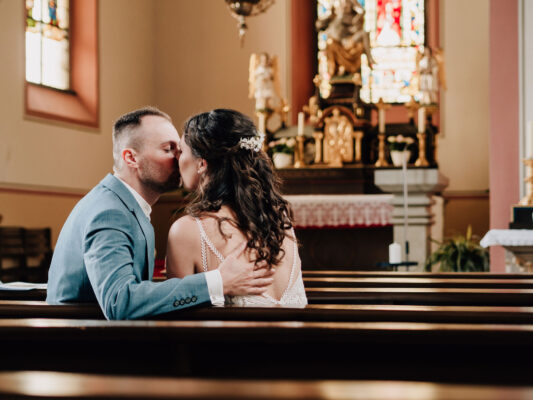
459, 254
283, 145
400, 142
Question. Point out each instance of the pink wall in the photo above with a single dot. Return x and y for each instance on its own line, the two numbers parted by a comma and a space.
504, 105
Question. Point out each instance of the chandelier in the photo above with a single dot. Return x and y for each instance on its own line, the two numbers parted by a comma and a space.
241, 9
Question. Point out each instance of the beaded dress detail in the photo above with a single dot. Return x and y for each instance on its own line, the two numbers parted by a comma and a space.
293, 296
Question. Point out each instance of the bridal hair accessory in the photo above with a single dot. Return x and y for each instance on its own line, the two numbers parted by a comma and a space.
252, 143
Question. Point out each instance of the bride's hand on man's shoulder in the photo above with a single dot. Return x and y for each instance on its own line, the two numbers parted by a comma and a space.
242, 277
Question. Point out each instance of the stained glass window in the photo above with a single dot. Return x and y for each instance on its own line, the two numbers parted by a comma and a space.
47, 43
397, 30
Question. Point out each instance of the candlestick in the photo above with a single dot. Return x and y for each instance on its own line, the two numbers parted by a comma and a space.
529, 140
381, 120
422, 120
299, 153
382, 160
319, 136
527, 200
422, 160
395, 253
301, 117
262, 123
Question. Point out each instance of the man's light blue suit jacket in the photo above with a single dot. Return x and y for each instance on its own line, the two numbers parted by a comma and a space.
105, 253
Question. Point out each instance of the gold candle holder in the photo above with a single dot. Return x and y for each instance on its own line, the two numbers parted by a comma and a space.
527, 200
299, 153
382, 160
422, 160
358, 136
319, 136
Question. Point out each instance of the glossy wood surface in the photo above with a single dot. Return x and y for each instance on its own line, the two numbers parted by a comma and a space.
38, 384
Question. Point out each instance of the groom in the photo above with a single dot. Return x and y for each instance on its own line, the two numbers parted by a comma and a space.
105, 251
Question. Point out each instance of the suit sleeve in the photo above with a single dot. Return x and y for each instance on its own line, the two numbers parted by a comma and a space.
109, 256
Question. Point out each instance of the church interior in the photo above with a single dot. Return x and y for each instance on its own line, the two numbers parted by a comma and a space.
414, 136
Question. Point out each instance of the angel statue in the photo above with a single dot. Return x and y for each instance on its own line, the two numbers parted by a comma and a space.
346, 38
264, 81
430, 67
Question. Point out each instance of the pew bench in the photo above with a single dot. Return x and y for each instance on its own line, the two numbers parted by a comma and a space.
313, 312
39, 384
400, 274
343, 282
460, 353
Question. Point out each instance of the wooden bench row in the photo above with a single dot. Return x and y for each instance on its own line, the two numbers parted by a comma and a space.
311, 313
380, 295
38, 385
466, 353
400, 274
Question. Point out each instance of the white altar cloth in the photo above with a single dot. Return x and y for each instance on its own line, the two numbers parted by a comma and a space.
508, 237
341, 211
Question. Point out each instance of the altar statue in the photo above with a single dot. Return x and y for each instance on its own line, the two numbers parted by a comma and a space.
430, 66
346, 38
263, 81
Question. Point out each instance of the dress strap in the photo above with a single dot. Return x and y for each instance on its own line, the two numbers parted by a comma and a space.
205, 240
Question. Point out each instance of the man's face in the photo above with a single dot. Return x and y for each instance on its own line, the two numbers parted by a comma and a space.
158, 167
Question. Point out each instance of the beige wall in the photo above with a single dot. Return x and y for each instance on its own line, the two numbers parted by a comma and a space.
464, 145
42, 153
199, 62
60, 158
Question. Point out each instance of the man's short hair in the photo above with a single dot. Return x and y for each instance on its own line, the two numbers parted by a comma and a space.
125, 132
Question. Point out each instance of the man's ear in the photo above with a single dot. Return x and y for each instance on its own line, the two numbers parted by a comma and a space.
129, 156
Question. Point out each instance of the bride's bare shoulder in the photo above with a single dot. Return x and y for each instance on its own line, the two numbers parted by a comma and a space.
182, 229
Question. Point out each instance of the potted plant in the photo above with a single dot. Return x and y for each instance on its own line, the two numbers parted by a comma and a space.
459, 254
282, 151
399, 149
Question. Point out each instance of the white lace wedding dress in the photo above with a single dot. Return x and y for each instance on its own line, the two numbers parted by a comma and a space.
293, 296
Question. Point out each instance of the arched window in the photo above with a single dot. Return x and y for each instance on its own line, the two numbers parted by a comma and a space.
48, 43
397, 30
62, 60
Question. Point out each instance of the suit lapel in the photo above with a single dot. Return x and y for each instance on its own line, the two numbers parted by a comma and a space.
127, 198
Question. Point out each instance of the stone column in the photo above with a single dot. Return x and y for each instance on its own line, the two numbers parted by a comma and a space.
422, 184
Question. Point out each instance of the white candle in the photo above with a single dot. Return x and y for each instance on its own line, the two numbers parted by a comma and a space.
421, 119
381, 120
262, 125
529, 140
301, 118
395, 253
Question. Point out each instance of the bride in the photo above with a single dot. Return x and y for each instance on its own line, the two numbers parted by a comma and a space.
236, 199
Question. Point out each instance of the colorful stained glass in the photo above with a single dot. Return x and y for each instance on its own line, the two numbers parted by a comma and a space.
396, 29
47, 43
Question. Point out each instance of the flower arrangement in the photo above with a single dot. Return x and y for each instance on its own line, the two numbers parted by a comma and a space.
400, 142
283, 145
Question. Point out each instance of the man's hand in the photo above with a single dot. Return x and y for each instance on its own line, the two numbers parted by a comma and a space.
243, 277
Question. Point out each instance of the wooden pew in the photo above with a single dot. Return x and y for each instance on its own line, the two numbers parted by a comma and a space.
358, 282
466, 353
379, 295
311, 313
422, 296
38, 385
331, 273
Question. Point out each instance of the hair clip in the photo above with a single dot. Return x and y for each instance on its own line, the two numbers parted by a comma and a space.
254, 143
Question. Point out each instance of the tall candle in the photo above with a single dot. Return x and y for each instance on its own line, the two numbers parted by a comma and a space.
421, 119
395, 253
381, 120
262, 124
301, 117
529, 140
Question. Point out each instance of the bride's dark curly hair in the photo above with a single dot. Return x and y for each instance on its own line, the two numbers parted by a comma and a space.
240, 178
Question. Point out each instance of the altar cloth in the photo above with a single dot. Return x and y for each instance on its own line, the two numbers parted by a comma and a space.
341, 211
508, 237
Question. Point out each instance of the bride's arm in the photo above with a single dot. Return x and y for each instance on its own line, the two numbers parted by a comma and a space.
183, 248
